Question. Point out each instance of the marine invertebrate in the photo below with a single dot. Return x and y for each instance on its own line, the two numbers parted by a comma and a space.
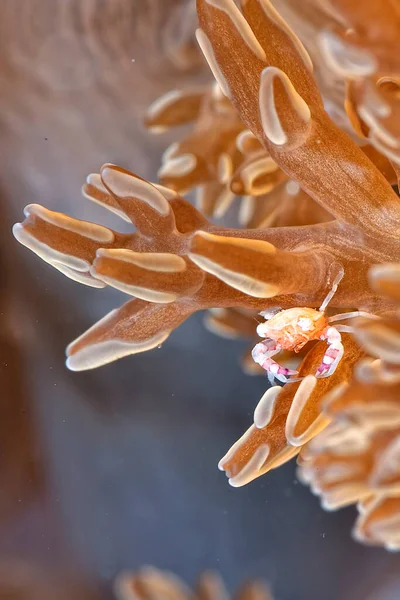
149, 582
177, 262
285, 419
293, 328
360, 48
277, 98
281, 105
239, 323
356, 458
221, 159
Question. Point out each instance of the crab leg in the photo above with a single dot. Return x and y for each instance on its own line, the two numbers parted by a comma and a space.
345, 328
352, 315
333, 353
330, 295
262, 353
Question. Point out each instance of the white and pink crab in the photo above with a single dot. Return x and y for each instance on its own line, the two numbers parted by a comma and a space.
291, 329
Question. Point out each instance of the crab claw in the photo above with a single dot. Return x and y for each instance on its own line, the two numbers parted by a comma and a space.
262, 353
262, 329
281, 373
264, 350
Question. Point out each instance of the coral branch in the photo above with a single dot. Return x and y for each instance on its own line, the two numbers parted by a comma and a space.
66, 244
379, 523
258, 268
144, 205
176, 107
370, 41
283, 109
287, 418
263, 131
357, 457
156, 277
137, 326
177, 258
149, 583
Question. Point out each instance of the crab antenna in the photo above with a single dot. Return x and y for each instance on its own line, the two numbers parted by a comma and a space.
332, 292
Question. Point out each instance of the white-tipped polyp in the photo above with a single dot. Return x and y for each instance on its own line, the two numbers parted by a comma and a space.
16, 231
127, 185
270, 120
345, 59
387, 272
102, 353
207, 49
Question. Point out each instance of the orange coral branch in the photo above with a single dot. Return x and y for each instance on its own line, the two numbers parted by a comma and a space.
178, 259
257, 268
176, 107
277, 99
135, 327
287, 418
357, 457
374, 33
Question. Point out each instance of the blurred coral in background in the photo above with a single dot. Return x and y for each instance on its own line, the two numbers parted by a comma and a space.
149, 582
23, 581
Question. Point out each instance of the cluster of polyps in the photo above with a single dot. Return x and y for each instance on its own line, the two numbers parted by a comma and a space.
149, 582
222, 159
177, 262
356, 459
